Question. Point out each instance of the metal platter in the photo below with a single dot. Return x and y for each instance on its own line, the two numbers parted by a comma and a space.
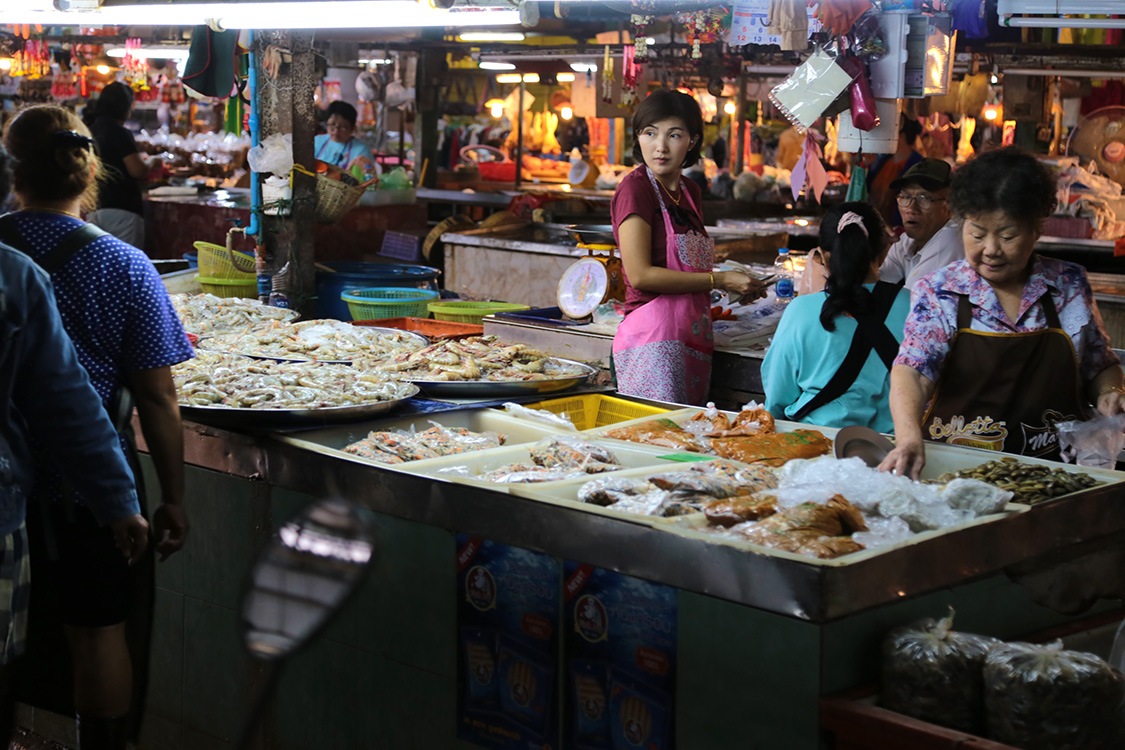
274, 419
592, 234
422, 341
481, 388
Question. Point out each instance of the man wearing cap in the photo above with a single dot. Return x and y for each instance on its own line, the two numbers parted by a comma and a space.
930, 239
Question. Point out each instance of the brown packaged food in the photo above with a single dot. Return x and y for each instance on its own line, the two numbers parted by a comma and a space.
662, 432
719, 423
806, 528
773, 449
829, 547
739, 509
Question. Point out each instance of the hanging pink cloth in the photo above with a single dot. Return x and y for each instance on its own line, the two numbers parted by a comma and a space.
663, 348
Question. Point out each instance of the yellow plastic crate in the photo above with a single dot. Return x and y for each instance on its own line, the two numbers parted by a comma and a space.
591, 410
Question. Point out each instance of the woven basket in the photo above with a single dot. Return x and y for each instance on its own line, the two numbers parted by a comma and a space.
387, 302
246, 288
217, 263
334, 199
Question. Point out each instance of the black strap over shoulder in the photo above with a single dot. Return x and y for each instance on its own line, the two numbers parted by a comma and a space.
61, 253
871, 333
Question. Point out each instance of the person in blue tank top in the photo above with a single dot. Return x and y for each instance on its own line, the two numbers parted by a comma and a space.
339, 146
829, 362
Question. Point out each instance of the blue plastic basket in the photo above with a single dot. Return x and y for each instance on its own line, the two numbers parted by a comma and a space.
375, 303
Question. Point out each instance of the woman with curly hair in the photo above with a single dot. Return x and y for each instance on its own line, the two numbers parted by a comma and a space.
1003, 344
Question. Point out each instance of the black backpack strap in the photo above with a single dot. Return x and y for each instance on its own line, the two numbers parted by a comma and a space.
58, 256
69, 246
871, 333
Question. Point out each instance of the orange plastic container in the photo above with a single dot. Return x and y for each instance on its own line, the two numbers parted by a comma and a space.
435, 330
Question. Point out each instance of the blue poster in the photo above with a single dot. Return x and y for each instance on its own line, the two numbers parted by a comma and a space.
620, 661
507, 655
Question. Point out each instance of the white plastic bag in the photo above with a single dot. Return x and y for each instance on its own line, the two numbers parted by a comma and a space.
1095, 442
273, 155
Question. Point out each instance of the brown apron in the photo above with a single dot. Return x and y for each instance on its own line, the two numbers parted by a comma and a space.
1006, 391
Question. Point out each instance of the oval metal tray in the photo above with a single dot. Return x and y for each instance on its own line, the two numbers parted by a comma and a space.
422, 340
272, 419
480, 388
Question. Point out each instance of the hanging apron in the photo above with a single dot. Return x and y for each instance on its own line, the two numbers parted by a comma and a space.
662, 349
1006, 391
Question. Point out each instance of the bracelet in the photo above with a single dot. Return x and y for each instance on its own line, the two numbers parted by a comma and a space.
712, 275
1111, 389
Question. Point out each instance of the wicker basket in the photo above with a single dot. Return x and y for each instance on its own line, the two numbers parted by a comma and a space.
216, 262
247, 288
463, 311
334, 199
387, 302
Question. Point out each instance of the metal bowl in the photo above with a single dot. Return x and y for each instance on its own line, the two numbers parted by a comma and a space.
592, 234
481, 388
275, 419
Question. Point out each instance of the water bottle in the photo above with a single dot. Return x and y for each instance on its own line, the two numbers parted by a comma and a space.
784, 290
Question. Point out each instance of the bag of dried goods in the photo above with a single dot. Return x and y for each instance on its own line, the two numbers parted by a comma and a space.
662, 432
773, 449
1044, 698
933, 673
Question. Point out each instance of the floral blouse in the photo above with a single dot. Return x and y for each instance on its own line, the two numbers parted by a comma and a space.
933, 314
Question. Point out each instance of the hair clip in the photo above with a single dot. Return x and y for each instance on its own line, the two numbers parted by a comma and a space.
71, 138
851, 217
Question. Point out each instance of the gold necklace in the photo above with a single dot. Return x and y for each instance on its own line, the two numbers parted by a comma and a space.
669, 192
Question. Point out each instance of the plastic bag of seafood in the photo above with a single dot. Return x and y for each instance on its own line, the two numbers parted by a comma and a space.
541, 415
934, 673
1045, 698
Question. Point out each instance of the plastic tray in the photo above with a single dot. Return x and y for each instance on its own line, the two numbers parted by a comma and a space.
333, 440
591, 410
434, 330
479, 462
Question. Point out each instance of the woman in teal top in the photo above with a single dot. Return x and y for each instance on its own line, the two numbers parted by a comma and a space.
829, 362
339, 146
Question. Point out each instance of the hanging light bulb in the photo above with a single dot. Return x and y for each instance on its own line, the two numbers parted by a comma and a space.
495, 107
730, 108
566, 112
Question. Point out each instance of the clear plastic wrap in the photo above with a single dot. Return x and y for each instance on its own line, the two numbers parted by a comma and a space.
804, 96
540, 415
608, 490
572, 452
1095, 442
934, 673
1044, 698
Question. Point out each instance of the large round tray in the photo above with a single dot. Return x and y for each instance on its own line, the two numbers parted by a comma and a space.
273, 419
481, 388
592, 234
203, 344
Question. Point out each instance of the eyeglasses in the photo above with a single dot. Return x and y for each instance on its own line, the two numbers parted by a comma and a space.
924, 201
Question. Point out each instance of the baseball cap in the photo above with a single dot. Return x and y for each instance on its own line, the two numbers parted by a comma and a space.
932, 174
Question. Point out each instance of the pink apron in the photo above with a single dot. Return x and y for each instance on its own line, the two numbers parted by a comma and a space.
662, 349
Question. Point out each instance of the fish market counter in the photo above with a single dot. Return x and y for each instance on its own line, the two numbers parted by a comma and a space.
735, 644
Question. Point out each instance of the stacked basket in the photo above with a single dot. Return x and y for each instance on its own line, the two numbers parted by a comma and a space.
375, 303
221, 271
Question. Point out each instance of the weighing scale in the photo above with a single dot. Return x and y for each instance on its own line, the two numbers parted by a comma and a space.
595, 278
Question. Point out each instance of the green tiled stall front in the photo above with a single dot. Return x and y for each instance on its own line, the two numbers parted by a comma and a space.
383, 675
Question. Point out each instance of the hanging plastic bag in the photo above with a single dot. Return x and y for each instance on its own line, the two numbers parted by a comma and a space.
1095, 442
860, 97
274, 155
804, 96
933, 673
857, 186
1044, 698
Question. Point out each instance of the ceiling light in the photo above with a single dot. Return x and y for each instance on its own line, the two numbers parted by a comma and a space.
497, 66
566, 112
491, 36
155, 53
495, 107
730, 108
564, 77
5, 64
299, 14
376, 61
584, 67
650, 41
516, 77
103, 69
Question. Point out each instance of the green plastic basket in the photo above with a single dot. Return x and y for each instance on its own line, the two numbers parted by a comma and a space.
246, 288
462, 311
375, 303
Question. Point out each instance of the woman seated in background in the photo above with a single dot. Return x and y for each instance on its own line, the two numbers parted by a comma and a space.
829, 362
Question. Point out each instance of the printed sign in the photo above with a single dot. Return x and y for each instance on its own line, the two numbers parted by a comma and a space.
507, 655
748, 23
620, 656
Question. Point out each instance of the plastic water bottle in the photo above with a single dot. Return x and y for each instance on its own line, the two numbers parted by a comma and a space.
784, 290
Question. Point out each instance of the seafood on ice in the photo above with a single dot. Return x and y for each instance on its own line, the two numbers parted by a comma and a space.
218, 379
208, 315
318, 341
477, 358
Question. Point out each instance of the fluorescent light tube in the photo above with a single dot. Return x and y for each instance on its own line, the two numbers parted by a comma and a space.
156, 53
490, 36
496, 66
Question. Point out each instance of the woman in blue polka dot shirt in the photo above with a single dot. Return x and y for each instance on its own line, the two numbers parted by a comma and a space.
117, 312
